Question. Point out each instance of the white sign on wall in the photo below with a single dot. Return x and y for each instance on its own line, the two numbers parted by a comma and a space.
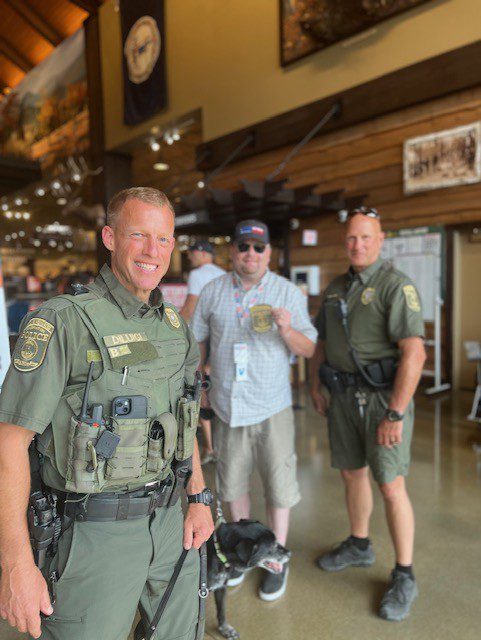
4, 343
419, 253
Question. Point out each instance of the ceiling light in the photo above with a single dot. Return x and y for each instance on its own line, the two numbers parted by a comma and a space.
154, 145
56, 184
169, 140
36, 243
39, 192
18, 201
21, 234
69, 244
26, 215
14, 236
76, 177
38, 229
18, 215
8, 214
161, 166
176, 135
62, 201
201, 184
52, 243
4, 207
8, 238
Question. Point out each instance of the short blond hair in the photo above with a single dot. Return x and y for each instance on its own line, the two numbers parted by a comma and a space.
145, 194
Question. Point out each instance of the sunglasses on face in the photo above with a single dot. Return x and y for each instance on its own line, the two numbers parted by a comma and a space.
243, 247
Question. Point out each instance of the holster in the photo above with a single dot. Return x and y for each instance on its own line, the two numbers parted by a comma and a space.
44, 522
331, 378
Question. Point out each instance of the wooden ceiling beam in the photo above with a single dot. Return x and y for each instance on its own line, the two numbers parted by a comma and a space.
91, 6
15, 56
36, 21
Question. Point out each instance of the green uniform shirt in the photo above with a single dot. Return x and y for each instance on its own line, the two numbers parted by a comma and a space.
64, 348
383, 308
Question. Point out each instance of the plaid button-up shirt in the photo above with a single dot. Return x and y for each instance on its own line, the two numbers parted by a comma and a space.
267, 389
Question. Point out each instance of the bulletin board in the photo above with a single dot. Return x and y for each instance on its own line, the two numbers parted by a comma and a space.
420, 254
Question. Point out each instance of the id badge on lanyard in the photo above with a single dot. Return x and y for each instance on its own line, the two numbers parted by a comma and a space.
241, 358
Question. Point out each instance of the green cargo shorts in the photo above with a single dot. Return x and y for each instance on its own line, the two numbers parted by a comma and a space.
106, 568
353, 440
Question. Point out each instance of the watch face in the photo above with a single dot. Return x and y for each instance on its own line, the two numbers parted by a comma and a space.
393, 416
208, 497
142, 49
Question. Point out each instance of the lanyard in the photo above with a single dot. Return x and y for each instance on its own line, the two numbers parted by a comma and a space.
240, 310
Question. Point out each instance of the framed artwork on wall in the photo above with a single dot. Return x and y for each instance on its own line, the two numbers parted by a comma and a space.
443, 159
307, 26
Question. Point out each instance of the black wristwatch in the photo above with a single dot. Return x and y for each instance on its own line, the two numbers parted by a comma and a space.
204, 497
393, 416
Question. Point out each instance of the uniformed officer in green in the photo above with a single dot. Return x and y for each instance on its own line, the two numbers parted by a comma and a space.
371, 354
120, 541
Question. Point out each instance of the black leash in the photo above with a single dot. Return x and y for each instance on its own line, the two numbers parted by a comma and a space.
203, 593
165, 598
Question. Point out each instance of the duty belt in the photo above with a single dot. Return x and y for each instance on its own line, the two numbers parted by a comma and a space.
108, 507
350, 379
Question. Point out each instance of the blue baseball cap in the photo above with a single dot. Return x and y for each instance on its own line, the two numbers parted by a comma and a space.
251, 230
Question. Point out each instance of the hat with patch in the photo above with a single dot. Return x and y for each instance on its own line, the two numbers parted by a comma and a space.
202, 245
251, 230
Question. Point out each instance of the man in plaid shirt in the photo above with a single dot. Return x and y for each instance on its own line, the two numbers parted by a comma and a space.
254, 320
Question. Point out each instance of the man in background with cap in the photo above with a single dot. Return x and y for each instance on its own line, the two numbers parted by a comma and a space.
254, 320
201, 257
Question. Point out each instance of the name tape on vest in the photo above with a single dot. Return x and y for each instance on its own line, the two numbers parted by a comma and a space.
124, 338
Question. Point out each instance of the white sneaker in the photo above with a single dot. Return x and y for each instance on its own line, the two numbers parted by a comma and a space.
274, 585
237, 577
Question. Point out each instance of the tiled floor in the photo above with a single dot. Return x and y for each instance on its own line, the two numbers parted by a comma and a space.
445, 485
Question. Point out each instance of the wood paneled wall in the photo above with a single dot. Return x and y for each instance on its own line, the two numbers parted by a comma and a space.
368, 159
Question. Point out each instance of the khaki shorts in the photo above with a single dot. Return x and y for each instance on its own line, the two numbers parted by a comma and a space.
270, 446
353, 440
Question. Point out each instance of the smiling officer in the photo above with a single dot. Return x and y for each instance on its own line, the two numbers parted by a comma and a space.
105, 379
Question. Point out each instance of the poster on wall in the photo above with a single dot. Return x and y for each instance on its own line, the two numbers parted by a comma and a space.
50, 95
420, 254
309, 25
143, 62
4, 343
443, 159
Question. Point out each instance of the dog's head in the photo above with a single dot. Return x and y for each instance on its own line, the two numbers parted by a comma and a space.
248, 543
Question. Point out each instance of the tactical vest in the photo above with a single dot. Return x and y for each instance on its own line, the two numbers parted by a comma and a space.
154, 354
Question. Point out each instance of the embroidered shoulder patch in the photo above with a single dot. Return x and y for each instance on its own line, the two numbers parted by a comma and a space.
172, 317
412, 299
32, 344
368, 295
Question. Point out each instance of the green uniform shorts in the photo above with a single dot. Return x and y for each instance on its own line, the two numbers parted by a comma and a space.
106, 568
353, 440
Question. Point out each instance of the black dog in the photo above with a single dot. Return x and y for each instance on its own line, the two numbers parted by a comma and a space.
239, 546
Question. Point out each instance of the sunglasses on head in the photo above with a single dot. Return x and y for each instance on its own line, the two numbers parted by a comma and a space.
242, 247
369, 212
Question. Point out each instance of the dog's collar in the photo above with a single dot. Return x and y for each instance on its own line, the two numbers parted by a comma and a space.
218, 551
